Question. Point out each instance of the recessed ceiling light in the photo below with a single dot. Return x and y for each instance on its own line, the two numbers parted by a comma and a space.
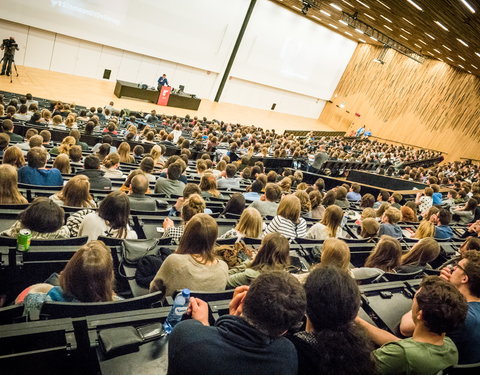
346, 2
343, 22
415, 5
316, 18
335, 6
469, 71
470, 8
297, 8
461, 57
359, 31
361, 40
406, 31
436, 50
369, 16
430, 36
346, 32
461, 41
440, 59
335, 27
441, 25
385, 5
415, 44
326, 13
411, 23
401, 36
375, 39
444, 46
461, 66
365, 5
478, 54
388, 27
386, 19
448, 58
474, 66
421, 41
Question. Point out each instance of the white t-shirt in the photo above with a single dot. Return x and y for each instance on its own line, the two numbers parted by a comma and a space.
94, 226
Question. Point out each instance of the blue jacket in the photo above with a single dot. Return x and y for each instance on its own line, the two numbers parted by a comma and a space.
41, 177
162, 81
443, 231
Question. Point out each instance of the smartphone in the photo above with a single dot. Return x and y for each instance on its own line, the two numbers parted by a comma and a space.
151, 331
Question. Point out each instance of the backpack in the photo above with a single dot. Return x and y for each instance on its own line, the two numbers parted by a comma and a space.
148, 266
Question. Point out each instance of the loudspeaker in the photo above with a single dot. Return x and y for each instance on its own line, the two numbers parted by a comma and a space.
106, 73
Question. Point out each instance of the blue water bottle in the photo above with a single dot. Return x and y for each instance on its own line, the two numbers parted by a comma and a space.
180, 306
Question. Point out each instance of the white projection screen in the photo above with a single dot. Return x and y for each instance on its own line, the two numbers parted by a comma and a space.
198, 33
287, 51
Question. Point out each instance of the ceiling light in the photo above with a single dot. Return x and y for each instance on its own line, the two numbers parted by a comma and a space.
333, 5
469, 71
421, 41
444, 46
411, 23
375, 39
401, 36
415, 44
415, 5
461, 41
386, 19
369, 16
335, 27
478, 54
318, 19
388, 27
461, 66
448, 58
361, 40
470, 8
408, 32
343, 22
346, 2
441, 25
430, 36
474, 66
385, 5
365, 5
297, 8
359, 31
437, 51
461, 57
346, 32
326, 13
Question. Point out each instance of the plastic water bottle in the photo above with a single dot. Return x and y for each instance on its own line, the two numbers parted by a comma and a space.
180, 306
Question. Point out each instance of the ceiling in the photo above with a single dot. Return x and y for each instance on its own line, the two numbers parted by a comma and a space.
416, 24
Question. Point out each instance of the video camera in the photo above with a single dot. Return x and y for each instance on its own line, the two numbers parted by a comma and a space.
10, 45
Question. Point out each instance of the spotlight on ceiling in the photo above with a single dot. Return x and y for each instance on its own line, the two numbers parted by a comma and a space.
306, 6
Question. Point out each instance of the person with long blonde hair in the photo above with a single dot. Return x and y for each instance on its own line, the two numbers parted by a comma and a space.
64, 148
336, 253
14, 156
249, 225
156, 153
425, 229
273, 255
9, 193
75, 193
330, 226
124, 153
419, 256
62, 163
193, 265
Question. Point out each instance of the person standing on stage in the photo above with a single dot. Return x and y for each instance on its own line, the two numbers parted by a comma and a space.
9, 45
162, 81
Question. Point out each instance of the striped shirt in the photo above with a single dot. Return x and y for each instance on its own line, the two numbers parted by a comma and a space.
286, 227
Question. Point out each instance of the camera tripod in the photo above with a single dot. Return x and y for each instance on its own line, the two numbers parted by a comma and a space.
14, 65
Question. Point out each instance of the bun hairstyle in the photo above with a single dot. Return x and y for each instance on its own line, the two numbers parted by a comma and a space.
111, 160
195, 204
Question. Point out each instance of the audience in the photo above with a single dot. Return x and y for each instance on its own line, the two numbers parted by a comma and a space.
250, 225
35, 172
171, 185
442, 221
95, 175
75, 193
267, 205
9, 193
389, 225
330, 226
138, 188
288, 221
419, 256
235, 205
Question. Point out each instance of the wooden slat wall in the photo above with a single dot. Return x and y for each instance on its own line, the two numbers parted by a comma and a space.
431, 105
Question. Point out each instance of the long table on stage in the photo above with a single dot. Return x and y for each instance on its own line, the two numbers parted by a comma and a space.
131, 90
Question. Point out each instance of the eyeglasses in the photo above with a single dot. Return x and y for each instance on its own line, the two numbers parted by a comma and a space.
463, 269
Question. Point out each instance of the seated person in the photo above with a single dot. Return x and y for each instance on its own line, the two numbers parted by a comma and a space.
369, 228
254, 191
138, 200
87, 277
436, 196
438, 307
171, 185
75, 193
395, 200
35, 172
354, 193
465, 276
9, 193
43, 218
424, 200
330, 334
235, 205
330, 226
382, 197
464, 214
389, 221
288, 221
318, 209
425, 229
248, 340
111, 219
193, 265
341, 197
273, 255
419, 256
442, 229
7, 126
250, 225
95, 175
229, 181
267, 205
208, 186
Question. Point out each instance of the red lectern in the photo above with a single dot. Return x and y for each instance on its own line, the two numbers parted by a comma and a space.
164, 95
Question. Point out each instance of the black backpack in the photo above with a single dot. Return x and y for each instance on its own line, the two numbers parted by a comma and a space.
148, 266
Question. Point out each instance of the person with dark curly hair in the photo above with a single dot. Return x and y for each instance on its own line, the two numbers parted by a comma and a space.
438, 307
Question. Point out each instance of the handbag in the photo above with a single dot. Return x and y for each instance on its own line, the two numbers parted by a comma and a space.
134, 250
121, 340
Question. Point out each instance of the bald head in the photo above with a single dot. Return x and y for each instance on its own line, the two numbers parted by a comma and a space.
139, 184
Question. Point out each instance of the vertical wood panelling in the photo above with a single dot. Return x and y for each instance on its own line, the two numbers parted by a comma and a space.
431, 105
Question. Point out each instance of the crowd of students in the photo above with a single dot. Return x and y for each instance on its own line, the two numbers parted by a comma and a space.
275, 208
